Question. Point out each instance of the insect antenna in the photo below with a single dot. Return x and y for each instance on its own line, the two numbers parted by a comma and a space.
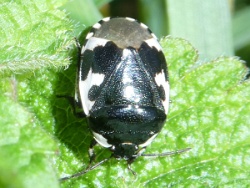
165, 153
84, 171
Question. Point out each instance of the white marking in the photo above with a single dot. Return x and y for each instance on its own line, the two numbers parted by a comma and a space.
161, 81
84, 87
106, 19
148, 141
144, 26
154, 35
94, 42
127, 143
83, 49
97, 26
89, 35
154, 43
130, 19
101, 140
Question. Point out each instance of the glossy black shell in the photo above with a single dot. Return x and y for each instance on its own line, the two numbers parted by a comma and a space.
121, 94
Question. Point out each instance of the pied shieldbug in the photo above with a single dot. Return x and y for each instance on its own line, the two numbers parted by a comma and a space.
123, 88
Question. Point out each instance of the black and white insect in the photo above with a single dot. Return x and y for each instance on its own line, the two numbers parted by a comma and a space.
123, 87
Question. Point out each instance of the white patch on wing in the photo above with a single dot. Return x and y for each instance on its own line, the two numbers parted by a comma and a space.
161, 81
154, 43
154, 35
148, 141
89, 35
94, 42
130, 19
106, 19
97, 26
101, 140
144, 26
84, 87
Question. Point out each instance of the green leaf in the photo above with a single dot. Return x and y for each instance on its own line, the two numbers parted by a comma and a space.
41, 137
209, 113
34, 34
24, 145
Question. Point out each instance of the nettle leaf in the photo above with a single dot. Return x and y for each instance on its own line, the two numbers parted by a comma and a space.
25, 146
34, 34
209, 113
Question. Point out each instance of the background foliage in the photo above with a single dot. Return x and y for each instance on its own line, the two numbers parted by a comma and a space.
40, 138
